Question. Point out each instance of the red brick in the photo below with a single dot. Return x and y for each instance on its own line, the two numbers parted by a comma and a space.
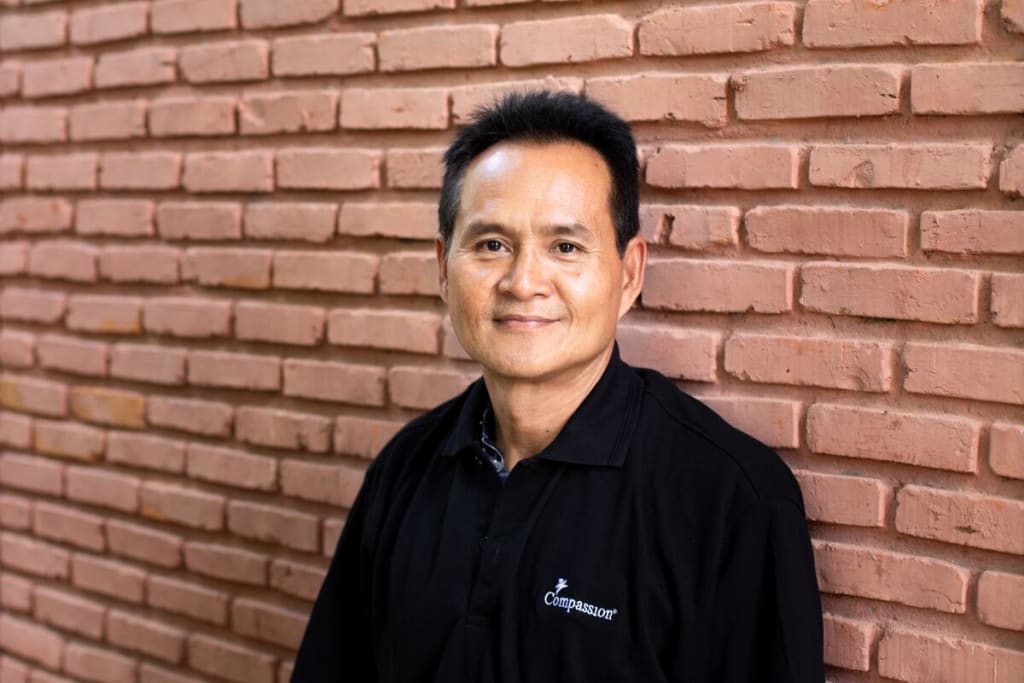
268, 623
16, 592
149, 264
32, 473
917, 657
106, 314
10, 78
147, 363
957, 88
229, 172
143, 66
15, 430
182, 505
411, 272
861, 23
323, 55
838, 499
298, 580
279, 323
145, 636
32, 305
153, 674
13, 257
181, 597
186, 16
51, 77
1012, 12
15, 512
466, 99
720, 286
31, 641
341, 382
925, 440
33, 124
854, 365
34, 557
1011, 172
818, 91
834, 231
41, 676
271, 524
103, 488
423, 388
361, 436
144, 544
28, 395
399, 330
34, 215
675, 352
228, 564
227, 267
231, 467
773, 422
1006, 450
11, 166
963, 518
106, 24
325, 271
438, 47
308, 221
234, 370
140, 170
415, 168
936, 295
182, 317
17, 349
848, 642
68, 525
913, 166
261, 14
358, 8
31, 31
328, 169
331, 533
209, 418
739, 166
186, 116
845, 569
394, 108
108, 406
404, 220
114, 120
68, 440
746, 27
965, 371
698, 98
282, 429
334, 484
116, 217
244, 60
998, 594
290, 112
69, 612
229, 661
973, 231
95, 664
61, 172
567, 40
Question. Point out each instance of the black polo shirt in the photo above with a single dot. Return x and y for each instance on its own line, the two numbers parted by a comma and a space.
650, 541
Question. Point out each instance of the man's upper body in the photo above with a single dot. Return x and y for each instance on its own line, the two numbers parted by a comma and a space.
567, 518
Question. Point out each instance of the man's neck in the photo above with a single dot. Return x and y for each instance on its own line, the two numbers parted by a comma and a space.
528, 415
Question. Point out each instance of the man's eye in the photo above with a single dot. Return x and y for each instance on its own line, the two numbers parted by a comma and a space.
492, 245
567, 248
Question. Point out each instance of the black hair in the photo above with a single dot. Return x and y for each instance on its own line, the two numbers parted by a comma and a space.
547, 117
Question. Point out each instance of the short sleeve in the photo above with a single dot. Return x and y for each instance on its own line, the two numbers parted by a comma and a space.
767, 624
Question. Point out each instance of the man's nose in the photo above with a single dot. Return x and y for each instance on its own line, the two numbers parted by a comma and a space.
526, 277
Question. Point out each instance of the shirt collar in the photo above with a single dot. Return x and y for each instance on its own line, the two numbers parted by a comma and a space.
597, 434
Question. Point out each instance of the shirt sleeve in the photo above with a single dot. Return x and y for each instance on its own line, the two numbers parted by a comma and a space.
767, 624
336, 645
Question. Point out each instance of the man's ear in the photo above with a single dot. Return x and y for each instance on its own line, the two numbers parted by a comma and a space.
442, 268
634, 263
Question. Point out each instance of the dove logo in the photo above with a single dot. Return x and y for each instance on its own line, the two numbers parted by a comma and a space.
553, 599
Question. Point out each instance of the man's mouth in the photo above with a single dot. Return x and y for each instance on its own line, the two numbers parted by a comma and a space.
525, 322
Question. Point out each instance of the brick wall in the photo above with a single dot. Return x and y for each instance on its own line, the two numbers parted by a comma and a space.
218, 298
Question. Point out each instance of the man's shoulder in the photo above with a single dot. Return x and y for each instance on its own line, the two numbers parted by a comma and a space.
690, 436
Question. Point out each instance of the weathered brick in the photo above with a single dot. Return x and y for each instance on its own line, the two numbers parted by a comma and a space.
182, 505
228, 172
965, 518
144, 544
839, 499
209, 418
13, 256
34, 557
108, 406
15, 513
664, 97
145, 636
66, 76
244, 60
69, 612
96, 664
61, 172
1006, 450
854, 365
965, 371
394, 108
914, 166
148, 363
34, 215
268, 623
341, 382
834, 231
32, 305
410, 272
116, 217
981, 88
182, 317
818, 91
325, 271
149, 673
323, 55
921, 657
404, 220
10, 78
400, 330
415, 168
235, 370
108, 314
307, 221
332, 484
16, 592
189, 599
33, 124
359, 8
146, 451
17, 349
260, 14
187, 116
113, 120
140, 170
279, 323
438, 47
362, 436
15, 430
773, 422
721, 286
848, 642
745, 27
199, 220
998, 593
229, 661
142, 66
148, 264
226, 563
282, 429
24, 31
567, 40
973, 231
1012, 13
288, 112
32, 473
1011, 172
29, 395
272, 524
11, 171
862, 23
328, 169
35, 643
106, 24
739, 166
423, 388
675, 352
230, 467
186, 16
67, 440
227, 267
299, 580
467, 98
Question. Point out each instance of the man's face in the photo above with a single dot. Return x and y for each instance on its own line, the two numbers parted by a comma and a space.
533, 280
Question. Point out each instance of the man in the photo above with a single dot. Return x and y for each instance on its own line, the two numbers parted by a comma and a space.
568, 517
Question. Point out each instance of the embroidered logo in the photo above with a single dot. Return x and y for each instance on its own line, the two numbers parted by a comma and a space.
552, 599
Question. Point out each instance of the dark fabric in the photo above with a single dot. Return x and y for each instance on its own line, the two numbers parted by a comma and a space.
649, 542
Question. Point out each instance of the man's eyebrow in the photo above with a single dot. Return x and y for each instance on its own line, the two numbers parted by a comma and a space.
481, 227
571, 229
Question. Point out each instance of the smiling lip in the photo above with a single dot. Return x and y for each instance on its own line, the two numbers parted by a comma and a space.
524, 321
